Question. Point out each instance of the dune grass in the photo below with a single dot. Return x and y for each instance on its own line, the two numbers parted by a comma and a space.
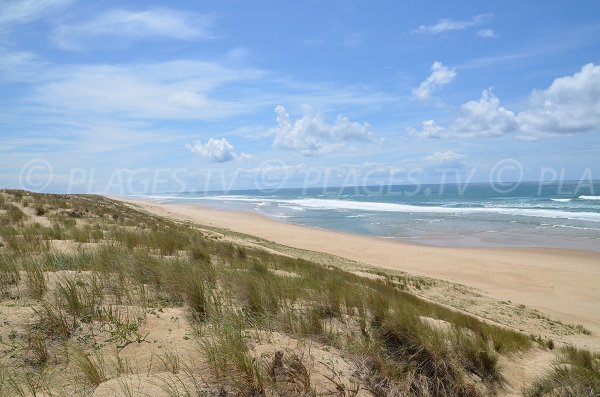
90, 366
576, 372
127, 257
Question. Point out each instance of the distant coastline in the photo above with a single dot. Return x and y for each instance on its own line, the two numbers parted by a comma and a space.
471, 216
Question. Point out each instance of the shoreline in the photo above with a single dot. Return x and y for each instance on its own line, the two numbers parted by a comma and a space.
564, 283
448, 242
425, 243
437, 231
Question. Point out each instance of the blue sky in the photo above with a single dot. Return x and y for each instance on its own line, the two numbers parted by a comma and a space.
125, 97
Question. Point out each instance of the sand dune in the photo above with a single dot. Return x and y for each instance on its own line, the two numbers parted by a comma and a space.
562, 283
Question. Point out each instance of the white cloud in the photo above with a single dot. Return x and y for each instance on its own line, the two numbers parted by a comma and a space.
570, 105
484, 117
216, 151
449, 25
487, 34
443, 157
99, 108
13, 12
176, 89
311, 135
446, 161
439, 77
133, 25
429, 129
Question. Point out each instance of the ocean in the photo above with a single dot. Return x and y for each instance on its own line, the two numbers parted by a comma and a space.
527, 214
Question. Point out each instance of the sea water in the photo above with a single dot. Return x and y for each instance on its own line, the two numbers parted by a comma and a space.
528, 214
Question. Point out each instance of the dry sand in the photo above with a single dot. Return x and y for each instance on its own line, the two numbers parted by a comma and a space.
564, 284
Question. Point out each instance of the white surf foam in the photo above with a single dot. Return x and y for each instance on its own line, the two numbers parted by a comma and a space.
292, 207
406, 208
332, 204
167, 197
564, 200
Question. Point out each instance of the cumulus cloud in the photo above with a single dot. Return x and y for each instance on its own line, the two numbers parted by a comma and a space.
570, 105
484, 117
312, 136
449, 25
487, 34
133, 25
216, 151
439, 77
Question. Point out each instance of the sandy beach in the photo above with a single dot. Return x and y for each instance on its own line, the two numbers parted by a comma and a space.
564, 284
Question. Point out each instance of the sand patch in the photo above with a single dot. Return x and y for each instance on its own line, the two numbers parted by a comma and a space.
328, 369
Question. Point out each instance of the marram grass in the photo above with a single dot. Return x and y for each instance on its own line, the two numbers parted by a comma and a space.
102, 255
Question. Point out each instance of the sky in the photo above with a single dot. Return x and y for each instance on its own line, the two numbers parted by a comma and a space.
128, 97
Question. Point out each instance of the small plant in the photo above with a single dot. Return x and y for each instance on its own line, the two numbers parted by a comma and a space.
227, 353
36, 279
80, 299
196, 295
90, 366
55, 322
170, 360
122, 365
122, 329
9, 271
37, 346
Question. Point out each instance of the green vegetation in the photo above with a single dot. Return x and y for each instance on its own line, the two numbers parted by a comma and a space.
97, 269
576, 373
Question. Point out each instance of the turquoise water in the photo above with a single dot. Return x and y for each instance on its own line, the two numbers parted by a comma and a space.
527, 214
